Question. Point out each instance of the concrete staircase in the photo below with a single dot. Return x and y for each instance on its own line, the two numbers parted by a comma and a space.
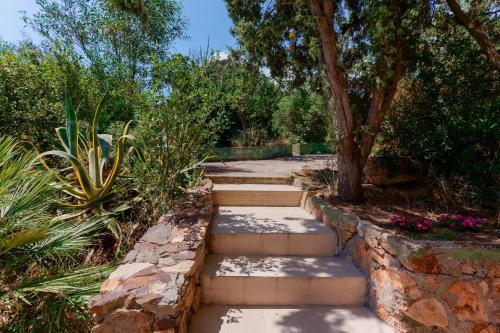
272, 268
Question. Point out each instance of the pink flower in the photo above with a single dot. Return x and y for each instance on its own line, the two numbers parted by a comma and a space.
443, 217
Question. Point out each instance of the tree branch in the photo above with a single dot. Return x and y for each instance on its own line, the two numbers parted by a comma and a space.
480, 36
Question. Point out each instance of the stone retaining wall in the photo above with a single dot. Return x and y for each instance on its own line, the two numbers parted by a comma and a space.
420, 286
157, 287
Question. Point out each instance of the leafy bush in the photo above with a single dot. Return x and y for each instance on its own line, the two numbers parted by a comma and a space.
177, 131
301, 117
30, 95
447, 114
43, 285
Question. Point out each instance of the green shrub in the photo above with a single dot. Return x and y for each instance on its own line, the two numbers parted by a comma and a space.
250, 137
177, 131
447, 115
30, 95
301, 117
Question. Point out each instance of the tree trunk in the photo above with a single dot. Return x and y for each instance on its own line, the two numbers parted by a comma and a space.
352, 155
350, 172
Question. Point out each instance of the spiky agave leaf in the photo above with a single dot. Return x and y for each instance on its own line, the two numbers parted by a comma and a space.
90, 189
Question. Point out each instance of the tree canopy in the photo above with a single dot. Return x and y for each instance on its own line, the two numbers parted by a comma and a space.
363, 46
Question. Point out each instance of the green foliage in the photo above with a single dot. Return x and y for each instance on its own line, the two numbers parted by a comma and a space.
250, 137
302, 117
233, 91
175, 139
278, 34
40, 258
252, 99
114, 48
30, 94
448, 113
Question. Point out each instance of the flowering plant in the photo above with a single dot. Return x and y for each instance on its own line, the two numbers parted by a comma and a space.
414, 224
460, 222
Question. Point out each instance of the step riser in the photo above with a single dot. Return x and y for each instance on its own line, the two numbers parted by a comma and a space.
283, 291
258, 198
250, 180
274, 244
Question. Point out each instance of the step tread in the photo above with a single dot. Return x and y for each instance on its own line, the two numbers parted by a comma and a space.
256, 188
284, 319
279, 266
278, 220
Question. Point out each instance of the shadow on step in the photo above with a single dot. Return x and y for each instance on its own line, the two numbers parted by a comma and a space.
311, 319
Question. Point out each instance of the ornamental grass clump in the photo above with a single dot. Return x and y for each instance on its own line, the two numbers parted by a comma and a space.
460, 222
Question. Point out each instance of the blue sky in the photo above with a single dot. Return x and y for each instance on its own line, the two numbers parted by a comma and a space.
207, 18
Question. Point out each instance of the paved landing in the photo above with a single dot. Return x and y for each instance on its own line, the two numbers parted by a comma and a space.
311, 319
280, 167
255, 187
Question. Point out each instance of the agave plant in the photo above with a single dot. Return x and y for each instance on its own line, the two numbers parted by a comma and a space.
92, 180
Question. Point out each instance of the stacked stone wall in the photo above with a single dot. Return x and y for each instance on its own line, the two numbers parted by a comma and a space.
420, 286
156, 289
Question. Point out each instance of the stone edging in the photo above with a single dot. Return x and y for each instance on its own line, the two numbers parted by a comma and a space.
157, 286
419, 286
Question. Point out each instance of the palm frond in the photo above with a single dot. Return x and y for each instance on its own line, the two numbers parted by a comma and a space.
75, 283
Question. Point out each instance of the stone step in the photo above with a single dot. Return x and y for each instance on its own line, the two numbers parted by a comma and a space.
281, 231
234, 179
257, 195
287, 280
304, 319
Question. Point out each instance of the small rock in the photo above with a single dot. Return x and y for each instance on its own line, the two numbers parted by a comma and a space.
184, 255
130, 270
466, 303
184, 267
167, 261
422, 262
131, 256
428, 312
147, 256
126, 321
102, 304
159, 234
495, 286
143, 246
484, 328
109, 285
138, 282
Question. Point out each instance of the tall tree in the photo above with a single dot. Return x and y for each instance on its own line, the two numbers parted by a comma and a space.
111, 37
363, 46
